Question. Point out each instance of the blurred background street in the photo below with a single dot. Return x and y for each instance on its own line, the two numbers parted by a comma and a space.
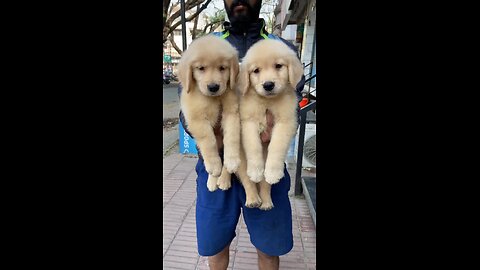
171, 109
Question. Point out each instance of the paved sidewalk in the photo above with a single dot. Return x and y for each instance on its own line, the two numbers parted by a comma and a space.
179, 232
170, 139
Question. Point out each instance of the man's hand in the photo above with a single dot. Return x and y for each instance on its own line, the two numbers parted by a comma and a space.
266, 135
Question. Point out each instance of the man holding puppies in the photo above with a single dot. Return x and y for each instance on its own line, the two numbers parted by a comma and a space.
217, 212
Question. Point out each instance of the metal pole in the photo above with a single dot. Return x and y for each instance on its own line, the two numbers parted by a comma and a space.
184, 28
312, 55
301, 138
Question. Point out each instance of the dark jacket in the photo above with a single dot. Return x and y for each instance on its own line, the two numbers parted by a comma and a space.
242, 41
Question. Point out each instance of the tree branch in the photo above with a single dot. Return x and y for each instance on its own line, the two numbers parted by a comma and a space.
204, 6
172, 41
206, 26
167, 30
166, 4
195, 23
188, 5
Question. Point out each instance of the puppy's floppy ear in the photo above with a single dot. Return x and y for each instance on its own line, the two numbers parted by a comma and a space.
190, 81
243, 79
233, 71
295, 70
185, 74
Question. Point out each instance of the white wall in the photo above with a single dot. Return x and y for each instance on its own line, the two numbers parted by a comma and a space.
290, 32
308, 36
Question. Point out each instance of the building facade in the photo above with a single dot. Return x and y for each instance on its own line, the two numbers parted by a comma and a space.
170, 56
295, 21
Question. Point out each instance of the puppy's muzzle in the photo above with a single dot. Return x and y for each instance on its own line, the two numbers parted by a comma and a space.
268, 86
213, 87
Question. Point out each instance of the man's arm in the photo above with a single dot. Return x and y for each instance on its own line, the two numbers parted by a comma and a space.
216, 130
181, 116
301, 83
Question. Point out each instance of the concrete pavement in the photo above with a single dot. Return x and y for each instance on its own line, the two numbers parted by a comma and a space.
171, 101
170, 140
179, 232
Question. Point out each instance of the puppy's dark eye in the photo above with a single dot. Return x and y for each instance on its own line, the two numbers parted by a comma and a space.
278, 66
256, 70
222, 68
201, 68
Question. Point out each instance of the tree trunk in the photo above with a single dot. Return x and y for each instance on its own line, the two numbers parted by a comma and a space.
168, 27
172, 41
195, 23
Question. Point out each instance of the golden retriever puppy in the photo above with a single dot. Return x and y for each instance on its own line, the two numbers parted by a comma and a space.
267, 79
207, 72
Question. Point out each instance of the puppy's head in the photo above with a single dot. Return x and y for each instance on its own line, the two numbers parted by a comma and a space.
270, 67
210, 65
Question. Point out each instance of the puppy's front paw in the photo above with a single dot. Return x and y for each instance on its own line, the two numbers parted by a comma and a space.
273, 175
231, 163
213, 166
266, 205
224, 181
255, 171
212, 183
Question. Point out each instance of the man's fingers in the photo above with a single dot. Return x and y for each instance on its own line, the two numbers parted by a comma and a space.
265, 137
267, 134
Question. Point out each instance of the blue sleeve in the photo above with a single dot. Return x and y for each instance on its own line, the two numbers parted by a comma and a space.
301, 83
181, 116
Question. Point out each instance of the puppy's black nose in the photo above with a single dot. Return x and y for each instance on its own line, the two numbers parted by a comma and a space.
268, 85
213, 87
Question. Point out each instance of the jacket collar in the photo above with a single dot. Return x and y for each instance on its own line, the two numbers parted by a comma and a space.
253, 29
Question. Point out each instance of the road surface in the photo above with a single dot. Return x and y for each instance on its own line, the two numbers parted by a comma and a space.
171, 109
171, 103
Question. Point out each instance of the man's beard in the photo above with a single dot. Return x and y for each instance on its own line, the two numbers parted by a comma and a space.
243, 20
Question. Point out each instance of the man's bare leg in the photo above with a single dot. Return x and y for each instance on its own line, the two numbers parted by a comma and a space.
267, 262
220, 260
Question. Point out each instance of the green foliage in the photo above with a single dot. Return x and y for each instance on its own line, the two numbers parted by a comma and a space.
219, 16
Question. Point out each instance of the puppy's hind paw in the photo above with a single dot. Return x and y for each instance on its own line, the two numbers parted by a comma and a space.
266, 206
253, 202
213, 166
212, 183
224, 182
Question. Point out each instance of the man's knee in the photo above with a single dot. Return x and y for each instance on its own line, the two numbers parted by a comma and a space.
266, 257
220, 260
267, 262
221, 255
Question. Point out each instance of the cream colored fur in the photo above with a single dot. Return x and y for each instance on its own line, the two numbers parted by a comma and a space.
210, 60
267, 60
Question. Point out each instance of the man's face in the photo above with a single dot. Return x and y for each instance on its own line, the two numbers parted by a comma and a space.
242, 11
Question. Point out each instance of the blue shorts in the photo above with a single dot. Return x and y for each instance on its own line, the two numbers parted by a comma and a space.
217, 216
